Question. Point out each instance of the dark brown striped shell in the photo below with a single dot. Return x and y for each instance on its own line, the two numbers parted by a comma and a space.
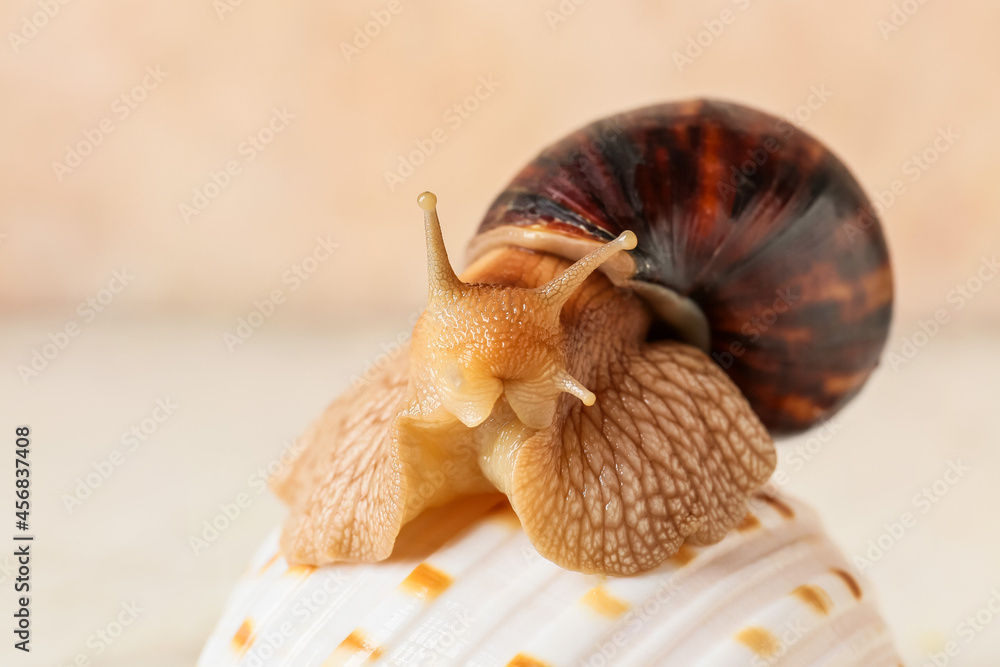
755, 221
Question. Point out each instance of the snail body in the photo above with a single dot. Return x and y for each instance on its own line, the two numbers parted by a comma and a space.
617, 355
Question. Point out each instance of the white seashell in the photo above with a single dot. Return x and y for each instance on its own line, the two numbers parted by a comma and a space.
465, 587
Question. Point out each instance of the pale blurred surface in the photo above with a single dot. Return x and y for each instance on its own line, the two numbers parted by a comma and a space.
341, 125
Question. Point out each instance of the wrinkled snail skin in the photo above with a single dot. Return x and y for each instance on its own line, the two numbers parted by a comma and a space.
571, 366
756, 228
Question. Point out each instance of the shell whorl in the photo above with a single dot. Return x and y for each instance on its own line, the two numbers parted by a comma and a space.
741, 214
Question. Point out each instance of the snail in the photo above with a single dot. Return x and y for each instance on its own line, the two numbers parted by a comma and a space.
647, 304
564, 467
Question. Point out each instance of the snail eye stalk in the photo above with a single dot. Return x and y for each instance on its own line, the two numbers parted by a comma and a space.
443, 283
558, 291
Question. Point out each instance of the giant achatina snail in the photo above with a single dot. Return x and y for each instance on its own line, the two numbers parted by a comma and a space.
734, 223
624, 413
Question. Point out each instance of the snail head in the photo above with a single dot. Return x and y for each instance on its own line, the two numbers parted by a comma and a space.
478, 342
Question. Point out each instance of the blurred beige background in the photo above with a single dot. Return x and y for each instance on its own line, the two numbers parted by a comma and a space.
167, 166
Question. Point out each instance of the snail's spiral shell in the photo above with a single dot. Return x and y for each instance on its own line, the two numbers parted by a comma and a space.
775, 592
748, 217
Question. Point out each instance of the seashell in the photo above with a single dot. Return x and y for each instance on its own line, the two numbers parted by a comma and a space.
464, 586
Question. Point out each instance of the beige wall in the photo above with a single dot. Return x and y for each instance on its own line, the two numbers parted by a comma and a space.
324, 173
